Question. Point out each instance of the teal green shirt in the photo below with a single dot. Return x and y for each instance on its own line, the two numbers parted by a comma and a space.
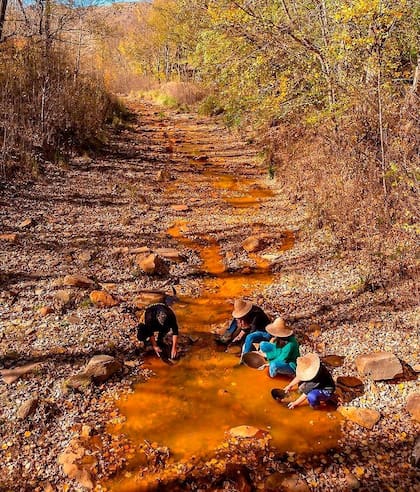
289, 353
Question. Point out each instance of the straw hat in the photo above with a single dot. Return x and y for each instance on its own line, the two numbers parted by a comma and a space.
278, 328
307, 367
241, 308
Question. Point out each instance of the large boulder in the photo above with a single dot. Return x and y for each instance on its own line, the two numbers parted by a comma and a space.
413, 405
102, 367
379, 365
362, 416
152, 264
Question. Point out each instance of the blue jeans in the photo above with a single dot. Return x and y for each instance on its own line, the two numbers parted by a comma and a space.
232, 327
255, 337
277, 367
316, 396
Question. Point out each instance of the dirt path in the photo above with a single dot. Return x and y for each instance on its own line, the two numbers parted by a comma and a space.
176, 181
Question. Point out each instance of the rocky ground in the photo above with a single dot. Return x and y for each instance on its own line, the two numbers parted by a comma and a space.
73, 247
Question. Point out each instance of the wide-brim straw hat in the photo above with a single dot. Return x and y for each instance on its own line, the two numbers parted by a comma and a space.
241, 308
278, 328
307, 366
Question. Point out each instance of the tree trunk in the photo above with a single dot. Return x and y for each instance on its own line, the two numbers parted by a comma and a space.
3, 7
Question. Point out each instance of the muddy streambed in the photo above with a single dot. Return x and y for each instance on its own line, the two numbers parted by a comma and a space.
188, 407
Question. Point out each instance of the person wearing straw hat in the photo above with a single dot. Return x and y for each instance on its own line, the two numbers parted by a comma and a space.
282, 351
247, 318
315, 382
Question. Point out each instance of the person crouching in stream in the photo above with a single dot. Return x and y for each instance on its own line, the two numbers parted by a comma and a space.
315, 382
159, 318
248, 318
282, 351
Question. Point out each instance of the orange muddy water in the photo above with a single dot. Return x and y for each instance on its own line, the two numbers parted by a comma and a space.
189, 406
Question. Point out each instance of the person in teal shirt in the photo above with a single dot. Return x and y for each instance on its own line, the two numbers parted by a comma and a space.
282, 352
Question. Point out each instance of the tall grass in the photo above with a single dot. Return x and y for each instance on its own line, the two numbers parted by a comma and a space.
47, 109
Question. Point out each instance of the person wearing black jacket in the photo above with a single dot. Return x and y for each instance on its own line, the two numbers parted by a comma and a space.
247, 318
159, 319
317, 384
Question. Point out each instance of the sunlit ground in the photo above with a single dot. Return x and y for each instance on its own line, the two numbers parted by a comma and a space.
189, 407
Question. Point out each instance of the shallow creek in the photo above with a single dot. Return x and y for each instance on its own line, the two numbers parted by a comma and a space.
189, 406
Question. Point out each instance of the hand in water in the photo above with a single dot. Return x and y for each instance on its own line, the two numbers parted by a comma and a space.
174, 353
157, 350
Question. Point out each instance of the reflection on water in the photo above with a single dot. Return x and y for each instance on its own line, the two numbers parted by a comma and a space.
189, 406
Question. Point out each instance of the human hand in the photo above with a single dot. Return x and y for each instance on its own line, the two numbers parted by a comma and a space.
174, 352
157, 350
238, 337
262, 367
292, 405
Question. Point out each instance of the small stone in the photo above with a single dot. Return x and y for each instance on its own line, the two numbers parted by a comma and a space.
72, 462
180, 208
169, 253
246, 431
413, 406
86, 431
163, 175
12, 375
45, 310
27, 408
26, 223
79, 382
85, 256
416, 367
253, 244
379, 365
131, 363
153, 264
64, 296
286, 482
102, 299
333, 360
351, 481
362, 416
139, 250
349, 381
78, 281
10, 238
